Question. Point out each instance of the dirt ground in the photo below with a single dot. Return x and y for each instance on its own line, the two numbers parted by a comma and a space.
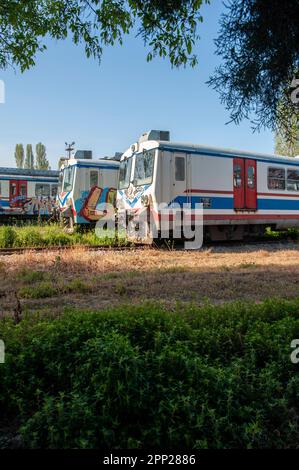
49, 281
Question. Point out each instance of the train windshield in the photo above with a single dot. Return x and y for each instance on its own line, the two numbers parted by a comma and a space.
68, 178
144, 168
125, 173
60, 181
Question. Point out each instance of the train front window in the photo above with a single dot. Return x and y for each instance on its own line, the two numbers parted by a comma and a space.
60, 181
125, 173
68, 178
144, 168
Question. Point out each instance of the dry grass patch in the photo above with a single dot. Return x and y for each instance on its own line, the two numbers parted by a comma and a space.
97, 279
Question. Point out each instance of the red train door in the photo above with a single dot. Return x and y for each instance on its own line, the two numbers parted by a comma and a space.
239, 176
245, 192
17, 193
250, 185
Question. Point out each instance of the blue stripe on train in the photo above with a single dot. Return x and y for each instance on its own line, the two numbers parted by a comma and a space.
29, 179
215, 202
218, 202
278, 204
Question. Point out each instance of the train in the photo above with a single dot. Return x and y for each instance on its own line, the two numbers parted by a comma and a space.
85, 185
240, 193
27, 193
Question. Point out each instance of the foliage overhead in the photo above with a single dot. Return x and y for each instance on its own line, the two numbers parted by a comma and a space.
287, 142
168, 27
258, 42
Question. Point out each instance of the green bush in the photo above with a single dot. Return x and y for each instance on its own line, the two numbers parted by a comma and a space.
212, 377
32, 277
8, 236
42, 290
31, 236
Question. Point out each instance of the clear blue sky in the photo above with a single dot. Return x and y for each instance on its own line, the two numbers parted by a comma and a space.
105, 108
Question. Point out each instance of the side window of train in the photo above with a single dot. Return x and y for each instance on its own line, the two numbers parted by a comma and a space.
54, 190
293, 180
276, 178
94, 178
237, 176
251, 177
42, 190
180, 170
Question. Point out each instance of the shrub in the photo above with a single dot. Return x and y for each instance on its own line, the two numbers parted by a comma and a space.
76, 285
40, 291
8, 236
215, 377
30, 236
29, 276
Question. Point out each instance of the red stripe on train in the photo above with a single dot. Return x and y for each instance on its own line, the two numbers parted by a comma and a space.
210, 191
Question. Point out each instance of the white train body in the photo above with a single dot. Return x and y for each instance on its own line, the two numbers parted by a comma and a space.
85, 185
240, 192
27, 193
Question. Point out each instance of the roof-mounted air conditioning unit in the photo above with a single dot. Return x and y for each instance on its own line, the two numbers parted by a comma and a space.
83, 155
155, 135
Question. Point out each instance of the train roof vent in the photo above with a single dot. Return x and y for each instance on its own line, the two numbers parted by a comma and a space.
83, 155
155, 135
116, 157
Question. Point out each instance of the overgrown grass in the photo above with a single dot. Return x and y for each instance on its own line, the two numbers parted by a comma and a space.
40, 288
212, 377
31, 236
41, 291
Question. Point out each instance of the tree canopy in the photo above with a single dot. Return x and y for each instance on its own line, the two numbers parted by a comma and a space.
42, 162
287, 136
29, 160
258, 42
168, 27
19, 155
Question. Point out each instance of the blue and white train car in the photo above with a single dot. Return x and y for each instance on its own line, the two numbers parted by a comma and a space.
85, 185
27, 193
241, 193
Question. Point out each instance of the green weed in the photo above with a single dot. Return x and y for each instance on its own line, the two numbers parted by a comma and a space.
41, 291
210, 377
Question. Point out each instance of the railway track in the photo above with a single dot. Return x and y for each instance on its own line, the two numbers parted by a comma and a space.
131, 247
13, 251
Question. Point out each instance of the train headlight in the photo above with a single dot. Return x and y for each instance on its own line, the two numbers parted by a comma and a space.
145, 200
